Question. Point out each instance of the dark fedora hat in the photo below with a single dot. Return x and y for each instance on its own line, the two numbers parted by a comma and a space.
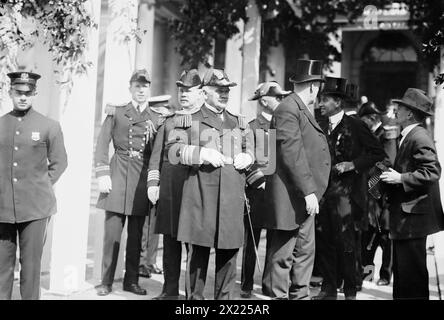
335, 87
416, 99
189, 78
352, 91
368, 108
269, 89
307, 70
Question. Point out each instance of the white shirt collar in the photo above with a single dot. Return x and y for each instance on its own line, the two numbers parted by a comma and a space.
335, 119
142, 106
267, 116
406, 131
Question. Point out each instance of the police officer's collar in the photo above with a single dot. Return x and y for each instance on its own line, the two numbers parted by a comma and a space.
19, 113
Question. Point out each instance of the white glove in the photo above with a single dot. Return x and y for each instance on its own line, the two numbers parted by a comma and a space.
105, 184
242, 161
153, 194
311, 204
214, 157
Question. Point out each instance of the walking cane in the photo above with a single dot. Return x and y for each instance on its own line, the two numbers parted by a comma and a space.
247, 204
432, 250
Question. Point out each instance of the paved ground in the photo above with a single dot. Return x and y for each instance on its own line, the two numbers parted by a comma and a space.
154, 285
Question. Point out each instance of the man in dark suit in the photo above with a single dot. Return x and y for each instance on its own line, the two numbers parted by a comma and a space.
293, 191
123, 180
415, 205
218, 147
353, 151
32, 159
376, 226
268, 95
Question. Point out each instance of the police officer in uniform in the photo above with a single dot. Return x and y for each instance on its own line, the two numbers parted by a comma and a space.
32, 159
123, 180
268, 95
218, 147
165, 182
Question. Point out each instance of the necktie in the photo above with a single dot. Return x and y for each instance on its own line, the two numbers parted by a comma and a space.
138, 109
330, 127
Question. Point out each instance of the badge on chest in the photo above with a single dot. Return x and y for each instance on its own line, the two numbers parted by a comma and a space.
35, 136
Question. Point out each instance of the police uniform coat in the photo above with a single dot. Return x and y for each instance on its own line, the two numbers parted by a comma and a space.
32, 159
255, 175
213, 199
302, 164
415, 205
132, 135
170, 179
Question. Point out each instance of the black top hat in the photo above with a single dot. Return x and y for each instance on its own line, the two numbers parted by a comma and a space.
416, 99
368, 108
24, 81
335, 87
352, 91
217, 78
307, 70
140, 76
189, 79
270, 89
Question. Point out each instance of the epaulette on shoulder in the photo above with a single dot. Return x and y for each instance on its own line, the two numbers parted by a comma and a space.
162, 109
184, 118
241, 119
110, 109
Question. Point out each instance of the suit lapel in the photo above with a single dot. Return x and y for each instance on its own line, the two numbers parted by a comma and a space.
305, 110
402, 149
131, 113
210, 118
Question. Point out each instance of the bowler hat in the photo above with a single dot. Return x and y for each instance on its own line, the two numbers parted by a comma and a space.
189, 79
307, 70
269, 89
368, 108
217, 78
335, 87
416, 99
23, 81
140, 76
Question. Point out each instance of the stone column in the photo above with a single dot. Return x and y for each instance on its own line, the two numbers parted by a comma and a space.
144, 49
251, 56
233, 68
70, 224
439, 140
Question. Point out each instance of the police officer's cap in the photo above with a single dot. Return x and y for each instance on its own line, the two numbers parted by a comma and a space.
269, 89
23, 81
217, 78
189, 79
140, 76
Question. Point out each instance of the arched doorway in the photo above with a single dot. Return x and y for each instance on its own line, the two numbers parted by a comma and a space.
389, 66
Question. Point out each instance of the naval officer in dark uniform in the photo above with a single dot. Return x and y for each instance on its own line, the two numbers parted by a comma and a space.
32, 159
165, 182
123, 180
218, 147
